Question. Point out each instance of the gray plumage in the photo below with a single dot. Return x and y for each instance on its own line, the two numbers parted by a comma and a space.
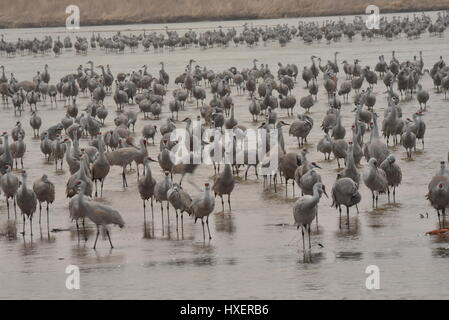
393, 172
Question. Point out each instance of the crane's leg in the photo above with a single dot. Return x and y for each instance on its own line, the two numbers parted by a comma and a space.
40, 211
204, 236
208, 230
96, 193
302, 232
101, 190
15, 210
7, 205
23, 231
31, 225
109, 237
168, 212
308, 231
222, 203
144, 215
229, 202
152, 215
339, 210
48, 216
84, 231
96, 238
293, 185
182, 222
77, 230
347, 214
176, 211
444, 213
162, 213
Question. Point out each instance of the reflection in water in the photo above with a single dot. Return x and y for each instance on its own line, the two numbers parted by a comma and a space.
9, 230
346, 230
224, 222
440, 252
311, 257
349, 255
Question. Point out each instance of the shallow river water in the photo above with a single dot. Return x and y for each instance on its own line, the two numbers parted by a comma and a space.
255, 250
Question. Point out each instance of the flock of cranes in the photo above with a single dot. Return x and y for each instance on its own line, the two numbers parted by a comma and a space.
269, 94
328, 30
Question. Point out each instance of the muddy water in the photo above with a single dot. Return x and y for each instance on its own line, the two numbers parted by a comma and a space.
255, 251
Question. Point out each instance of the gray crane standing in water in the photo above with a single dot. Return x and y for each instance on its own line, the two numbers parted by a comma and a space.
438, 194
418, 127
180, 200
27, 202
202, 206
224, 184
98, 213
408, 140
393, 172
45, 192
146, 186
100, 167
375, 179
345, 192
10, 184
160, 194
306, 208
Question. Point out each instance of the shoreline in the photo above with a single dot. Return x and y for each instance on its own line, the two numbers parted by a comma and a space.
206, 18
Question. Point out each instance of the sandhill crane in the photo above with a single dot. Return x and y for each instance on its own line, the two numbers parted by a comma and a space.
10, 184
202, 206
58, 150
325, 146
408, 140
287, 166
160, 194
149, 131
82, 174
98, 213
45, 192
123, 157
27, 202
345, 192
375, 179
305, 210
375, 148
18, 149
100, 167
438, 194
393, 173
17, 131
224, 184
418, 127
180, 200
146, 186
46, 147
350, 171
6, 158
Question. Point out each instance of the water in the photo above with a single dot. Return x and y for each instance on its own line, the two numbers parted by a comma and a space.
255, 251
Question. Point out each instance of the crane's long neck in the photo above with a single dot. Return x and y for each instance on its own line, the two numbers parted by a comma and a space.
148, 174
350, 163
24, 182
315, 198
375, 132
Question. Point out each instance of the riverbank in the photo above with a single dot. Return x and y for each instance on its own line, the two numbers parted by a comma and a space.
51, 13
